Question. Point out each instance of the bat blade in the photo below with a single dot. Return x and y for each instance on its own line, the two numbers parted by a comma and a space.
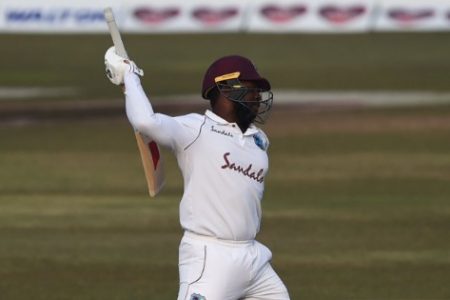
153, 164
148, 149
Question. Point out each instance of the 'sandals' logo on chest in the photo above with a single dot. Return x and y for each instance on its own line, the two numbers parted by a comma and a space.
244, 170
221, 131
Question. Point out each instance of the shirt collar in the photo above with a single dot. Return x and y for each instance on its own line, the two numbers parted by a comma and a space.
216, 118
250, 131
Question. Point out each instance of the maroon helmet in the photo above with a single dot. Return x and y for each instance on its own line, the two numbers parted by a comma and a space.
227, 74
235, 66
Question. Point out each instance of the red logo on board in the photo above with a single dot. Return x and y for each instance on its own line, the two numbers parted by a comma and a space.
155, 16
340, 15
214, 16
279, 14
410, 15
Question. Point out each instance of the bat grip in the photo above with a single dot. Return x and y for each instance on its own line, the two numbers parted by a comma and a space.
115, 33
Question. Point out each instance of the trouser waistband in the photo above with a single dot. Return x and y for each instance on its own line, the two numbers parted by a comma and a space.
195, 236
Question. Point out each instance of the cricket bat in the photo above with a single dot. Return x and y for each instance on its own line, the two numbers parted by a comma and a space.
148, 149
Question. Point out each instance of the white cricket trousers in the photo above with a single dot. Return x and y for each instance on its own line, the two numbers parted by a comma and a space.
213, 269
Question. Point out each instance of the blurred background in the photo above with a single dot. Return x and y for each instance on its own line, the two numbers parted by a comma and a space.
357, 197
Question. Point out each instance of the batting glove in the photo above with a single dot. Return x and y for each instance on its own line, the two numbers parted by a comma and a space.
117, 66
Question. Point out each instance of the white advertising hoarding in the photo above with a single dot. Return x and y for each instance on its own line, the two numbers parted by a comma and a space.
188, 16
310, 16
52, 16
172, 16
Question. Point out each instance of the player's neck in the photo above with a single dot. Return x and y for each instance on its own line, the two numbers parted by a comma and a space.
228, 111
231, 117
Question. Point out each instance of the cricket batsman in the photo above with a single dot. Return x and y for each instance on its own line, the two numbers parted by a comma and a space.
223, 158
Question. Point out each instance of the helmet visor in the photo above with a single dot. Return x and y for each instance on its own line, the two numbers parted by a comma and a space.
256, 100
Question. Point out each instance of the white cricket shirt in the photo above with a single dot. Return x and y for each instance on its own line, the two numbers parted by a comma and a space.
223, 169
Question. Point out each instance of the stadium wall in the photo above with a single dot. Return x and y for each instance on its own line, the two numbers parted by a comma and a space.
198, 16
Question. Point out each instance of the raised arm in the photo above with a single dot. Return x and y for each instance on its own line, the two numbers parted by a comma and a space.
165, 130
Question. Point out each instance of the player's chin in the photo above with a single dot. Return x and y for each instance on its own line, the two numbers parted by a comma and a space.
251, 117
252, 112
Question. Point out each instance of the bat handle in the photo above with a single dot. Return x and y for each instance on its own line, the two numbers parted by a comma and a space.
115, 33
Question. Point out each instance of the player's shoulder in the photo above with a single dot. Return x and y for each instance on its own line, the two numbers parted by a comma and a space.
192, 120
261, 139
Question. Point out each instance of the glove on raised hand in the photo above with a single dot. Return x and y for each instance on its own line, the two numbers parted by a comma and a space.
117, 66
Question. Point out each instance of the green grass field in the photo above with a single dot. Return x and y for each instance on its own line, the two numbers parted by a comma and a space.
357, 207
357, 202
175, 63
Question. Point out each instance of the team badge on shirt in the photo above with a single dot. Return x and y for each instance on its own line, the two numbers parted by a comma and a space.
260, 141
197, 297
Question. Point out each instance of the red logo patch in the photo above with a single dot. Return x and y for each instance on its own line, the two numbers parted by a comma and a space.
279, 14
340, 15
155, 153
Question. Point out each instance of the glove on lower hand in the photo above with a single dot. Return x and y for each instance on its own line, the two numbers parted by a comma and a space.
117, 66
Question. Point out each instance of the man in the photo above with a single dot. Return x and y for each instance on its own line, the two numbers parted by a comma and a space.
223, 159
